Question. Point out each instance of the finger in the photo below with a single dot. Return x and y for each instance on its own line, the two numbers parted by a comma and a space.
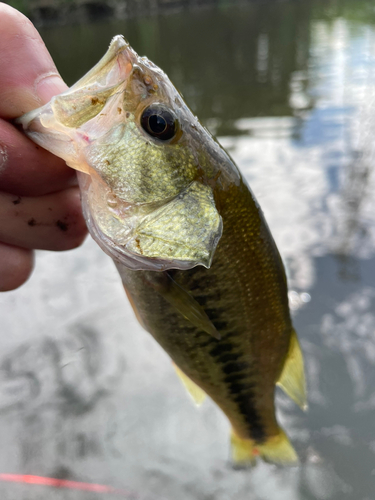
28, 76
16, 265
50, 222
28, 169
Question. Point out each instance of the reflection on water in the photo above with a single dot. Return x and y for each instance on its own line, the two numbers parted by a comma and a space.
85, 394
238, 63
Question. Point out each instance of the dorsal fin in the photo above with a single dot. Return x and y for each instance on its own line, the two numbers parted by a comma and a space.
193, 389
292, 378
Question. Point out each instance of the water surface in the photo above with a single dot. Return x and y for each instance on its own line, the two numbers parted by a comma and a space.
87, 395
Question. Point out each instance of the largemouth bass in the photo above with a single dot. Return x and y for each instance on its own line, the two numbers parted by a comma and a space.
194, 252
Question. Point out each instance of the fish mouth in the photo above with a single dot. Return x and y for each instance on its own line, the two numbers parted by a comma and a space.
113, 67
64, 125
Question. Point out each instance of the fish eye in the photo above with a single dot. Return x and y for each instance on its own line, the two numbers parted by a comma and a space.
159, 122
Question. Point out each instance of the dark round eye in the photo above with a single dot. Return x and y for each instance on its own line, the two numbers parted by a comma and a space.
158, 121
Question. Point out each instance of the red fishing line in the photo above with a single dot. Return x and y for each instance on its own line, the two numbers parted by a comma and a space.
64, 483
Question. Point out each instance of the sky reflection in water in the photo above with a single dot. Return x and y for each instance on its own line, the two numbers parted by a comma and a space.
86, 395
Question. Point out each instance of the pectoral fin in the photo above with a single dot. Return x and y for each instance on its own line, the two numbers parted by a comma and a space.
292, 378
183, 302
193, 389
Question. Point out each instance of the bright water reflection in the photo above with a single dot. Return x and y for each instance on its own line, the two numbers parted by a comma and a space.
87, 395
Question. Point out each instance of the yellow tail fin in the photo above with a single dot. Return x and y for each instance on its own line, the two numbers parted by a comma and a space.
276, 449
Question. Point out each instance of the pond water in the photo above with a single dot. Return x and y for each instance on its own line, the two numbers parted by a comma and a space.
87, 395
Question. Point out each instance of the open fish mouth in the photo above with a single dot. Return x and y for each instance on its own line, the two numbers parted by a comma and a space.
124, 126
54, 125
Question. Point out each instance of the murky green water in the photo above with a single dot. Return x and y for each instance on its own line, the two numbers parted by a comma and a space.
86, 394
229, 63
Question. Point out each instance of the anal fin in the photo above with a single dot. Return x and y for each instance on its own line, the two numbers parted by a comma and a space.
292, 378
198, 395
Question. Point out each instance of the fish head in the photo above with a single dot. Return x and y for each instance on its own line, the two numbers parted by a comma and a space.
148, 166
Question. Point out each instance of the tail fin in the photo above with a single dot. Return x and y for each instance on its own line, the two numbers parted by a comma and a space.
276, 449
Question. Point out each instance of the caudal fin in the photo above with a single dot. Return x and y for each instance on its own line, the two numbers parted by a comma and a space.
276, 449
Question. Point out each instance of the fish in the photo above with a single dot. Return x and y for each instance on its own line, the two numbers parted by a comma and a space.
197, 260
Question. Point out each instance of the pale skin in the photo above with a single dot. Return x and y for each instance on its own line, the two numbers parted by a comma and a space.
39, 198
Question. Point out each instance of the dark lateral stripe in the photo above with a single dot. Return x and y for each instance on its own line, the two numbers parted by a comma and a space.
187, 330
221, 325
225, 358
236, 387
205, 297
241, 390
235, 377
202, 301
208, 341
246, 405
233, 367
221, 348
196, 285
213, 314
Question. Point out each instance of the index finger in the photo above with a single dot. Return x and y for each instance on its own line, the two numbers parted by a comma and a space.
28, 76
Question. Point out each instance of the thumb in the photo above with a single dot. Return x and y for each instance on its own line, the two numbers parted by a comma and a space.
28, 75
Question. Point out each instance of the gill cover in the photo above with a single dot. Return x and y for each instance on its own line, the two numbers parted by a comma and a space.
141, 195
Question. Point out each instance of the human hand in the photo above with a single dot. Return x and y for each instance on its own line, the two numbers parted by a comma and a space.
39, 199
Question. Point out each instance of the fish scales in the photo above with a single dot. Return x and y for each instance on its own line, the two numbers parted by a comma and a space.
234, 365
190, 242
149, 179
